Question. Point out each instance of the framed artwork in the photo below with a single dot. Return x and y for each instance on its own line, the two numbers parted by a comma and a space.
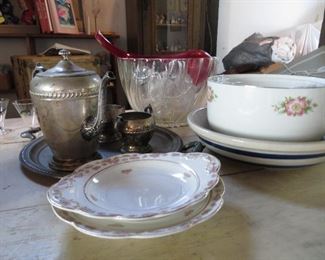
78, 11
63, 17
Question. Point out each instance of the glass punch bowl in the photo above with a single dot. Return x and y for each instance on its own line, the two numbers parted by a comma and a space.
173, 87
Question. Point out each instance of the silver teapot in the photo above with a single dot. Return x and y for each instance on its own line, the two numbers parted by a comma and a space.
69, 105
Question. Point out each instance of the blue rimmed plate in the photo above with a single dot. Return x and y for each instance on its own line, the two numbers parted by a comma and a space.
271, 153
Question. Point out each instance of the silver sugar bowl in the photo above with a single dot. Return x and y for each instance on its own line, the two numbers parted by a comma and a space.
136, 129
69, 101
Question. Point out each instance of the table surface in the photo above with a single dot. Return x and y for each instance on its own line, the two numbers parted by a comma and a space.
267, 214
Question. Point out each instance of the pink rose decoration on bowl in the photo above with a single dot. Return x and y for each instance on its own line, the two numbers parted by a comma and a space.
295, 106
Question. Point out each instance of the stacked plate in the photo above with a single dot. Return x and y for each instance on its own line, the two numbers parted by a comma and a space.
270, 153
139, 195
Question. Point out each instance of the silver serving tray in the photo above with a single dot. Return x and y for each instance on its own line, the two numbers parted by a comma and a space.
36, 155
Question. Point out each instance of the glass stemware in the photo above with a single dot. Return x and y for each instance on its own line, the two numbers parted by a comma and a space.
95, 9
27, 112
3, 110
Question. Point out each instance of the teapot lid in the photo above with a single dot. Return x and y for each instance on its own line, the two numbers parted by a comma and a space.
66, 68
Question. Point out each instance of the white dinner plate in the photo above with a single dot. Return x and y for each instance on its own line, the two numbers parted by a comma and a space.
158, 227
137, 186
271, 153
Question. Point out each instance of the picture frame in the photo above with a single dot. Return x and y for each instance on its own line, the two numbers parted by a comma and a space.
63, 16
78, 11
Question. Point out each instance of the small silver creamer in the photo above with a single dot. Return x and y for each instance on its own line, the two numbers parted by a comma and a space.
68, 101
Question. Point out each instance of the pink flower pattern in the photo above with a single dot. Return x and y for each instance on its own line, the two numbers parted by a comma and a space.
211, 95
63, 12
295, 106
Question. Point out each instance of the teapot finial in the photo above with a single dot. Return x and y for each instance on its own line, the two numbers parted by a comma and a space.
64, 53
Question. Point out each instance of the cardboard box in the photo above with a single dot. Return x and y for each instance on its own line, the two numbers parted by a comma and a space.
23, 67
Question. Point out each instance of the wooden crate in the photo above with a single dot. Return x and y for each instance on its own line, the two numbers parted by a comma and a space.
23, 67
19, 29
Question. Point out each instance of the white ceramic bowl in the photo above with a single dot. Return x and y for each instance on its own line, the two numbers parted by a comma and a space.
267, 107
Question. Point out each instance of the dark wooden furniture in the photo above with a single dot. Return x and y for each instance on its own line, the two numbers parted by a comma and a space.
30, 38
156, 26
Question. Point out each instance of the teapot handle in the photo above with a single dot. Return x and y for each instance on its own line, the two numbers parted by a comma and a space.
38, 68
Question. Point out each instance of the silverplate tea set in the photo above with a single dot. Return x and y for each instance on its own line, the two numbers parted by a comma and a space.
70, 106
147, 191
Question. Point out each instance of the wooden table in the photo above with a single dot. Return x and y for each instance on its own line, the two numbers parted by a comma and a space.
267, 214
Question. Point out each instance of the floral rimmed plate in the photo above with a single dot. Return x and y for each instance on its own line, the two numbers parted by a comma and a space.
270, 153
137, 186
104, 228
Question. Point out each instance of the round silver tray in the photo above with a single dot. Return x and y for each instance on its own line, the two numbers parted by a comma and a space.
36, 155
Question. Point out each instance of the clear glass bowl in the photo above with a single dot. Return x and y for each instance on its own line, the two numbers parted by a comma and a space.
173, 87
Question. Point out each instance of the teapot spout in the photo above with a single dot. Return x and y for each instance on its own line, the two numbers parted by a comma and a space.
92, 126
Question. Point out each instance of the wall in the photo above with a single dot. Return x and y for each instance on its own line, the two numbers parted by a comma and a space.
111, 18
240, 18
